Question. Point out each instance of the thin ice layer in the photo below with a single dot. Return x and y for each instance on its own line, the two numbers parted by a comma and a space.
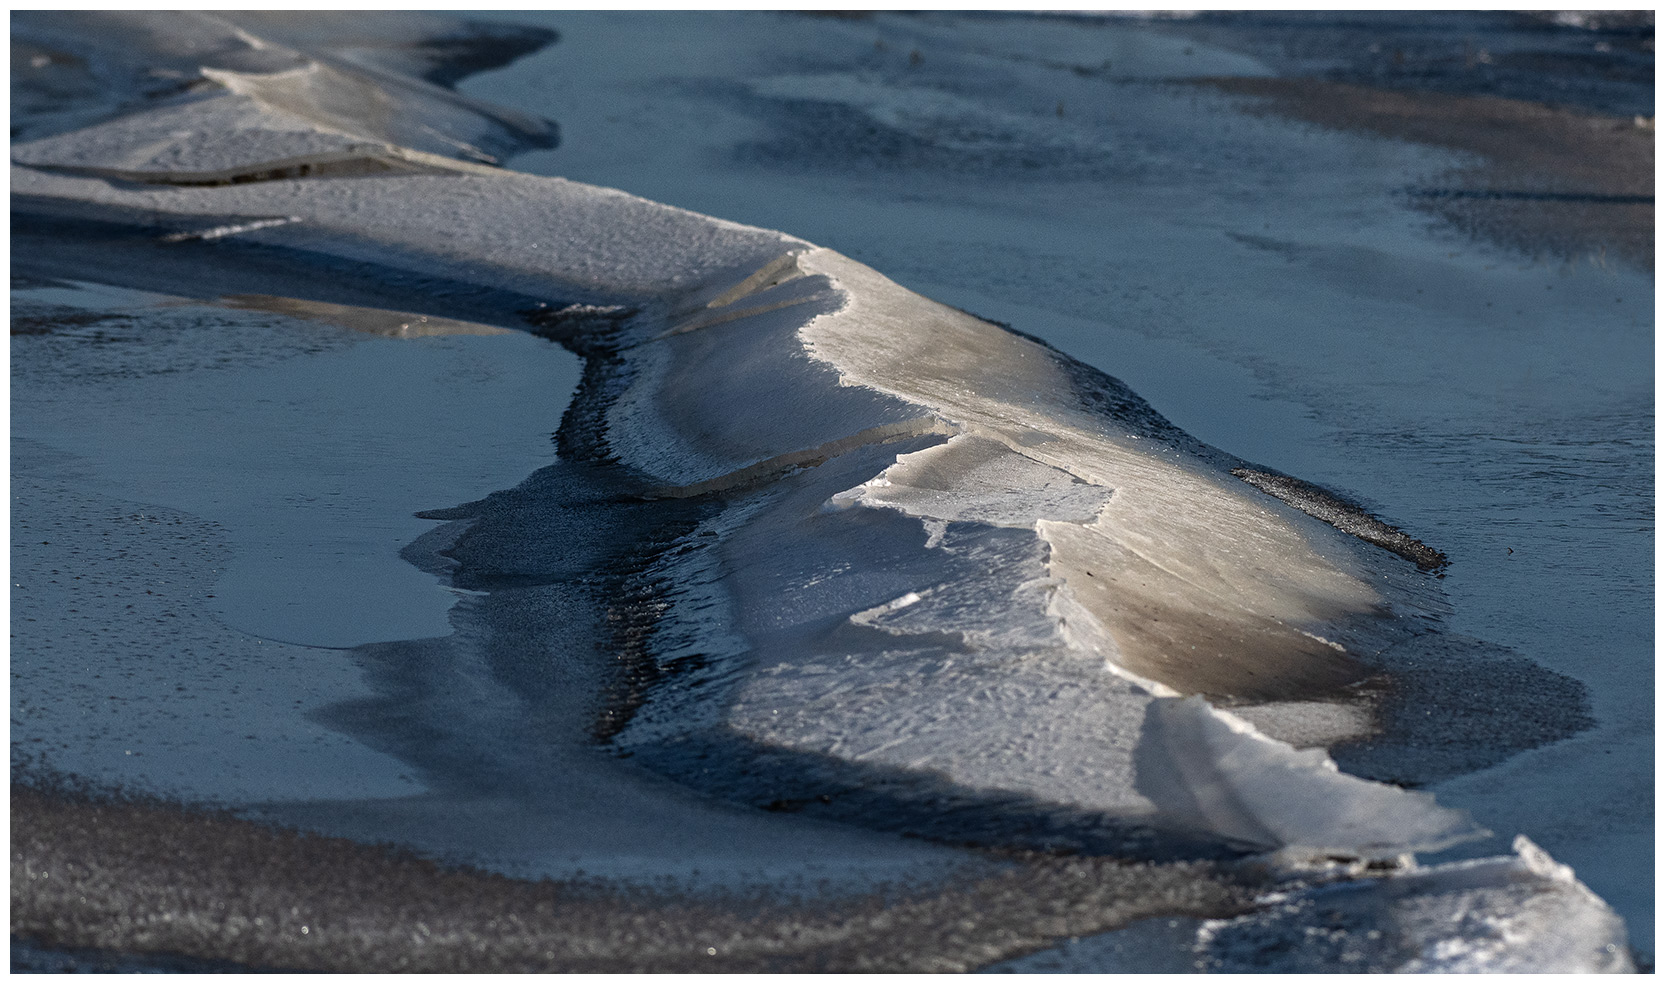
974, 479
1214, 771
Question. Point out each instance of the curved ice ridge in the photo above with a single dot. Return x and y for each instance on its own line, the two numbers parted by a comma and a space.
934, 554
1048, 546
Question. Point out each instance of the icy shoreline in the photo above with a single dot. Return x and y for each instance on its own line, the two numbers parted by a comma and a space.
952, 500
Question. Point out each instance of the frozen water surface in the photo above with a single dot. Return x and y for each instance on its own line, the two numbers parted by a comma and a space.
154, 390
287, 457
282, 462
1261, 282
932, 653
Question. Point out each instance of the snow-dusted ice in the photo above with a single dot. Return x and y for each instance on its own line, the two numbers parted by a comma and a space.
886, 547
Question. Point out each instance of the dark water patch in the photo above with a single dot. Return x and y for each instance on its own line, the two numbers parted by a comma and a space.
1568, 181
31, 957
632, 615
553, 636
483, 711
1454, 705
594, 334
1499, 194
552, 528
1604, 65
47, 319
588, 530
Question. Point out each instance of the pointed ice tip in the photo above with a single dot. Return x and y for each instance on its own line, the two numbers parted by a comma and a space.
1208, 770
1538, 861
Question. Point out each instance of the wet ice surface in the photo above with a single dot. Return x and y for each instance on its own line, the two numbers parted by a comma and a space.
213, 598
120, 675
280, 462
293, 436
1260, 282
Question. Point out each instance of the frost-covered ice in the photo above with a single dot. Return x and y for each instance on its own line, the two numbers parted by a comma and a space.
1522, 915
931, 550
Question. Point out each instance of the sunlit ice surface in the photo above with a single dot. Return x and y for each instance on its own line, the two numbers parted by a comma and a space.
760, 393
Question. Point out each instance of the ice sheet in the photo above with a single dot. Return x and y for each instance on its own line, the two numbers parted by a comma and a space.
1016, 676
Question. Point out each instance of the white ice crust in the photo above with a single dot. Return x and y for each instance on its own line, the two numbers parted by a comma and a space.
1082, 575
1215, 769
1517, 914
